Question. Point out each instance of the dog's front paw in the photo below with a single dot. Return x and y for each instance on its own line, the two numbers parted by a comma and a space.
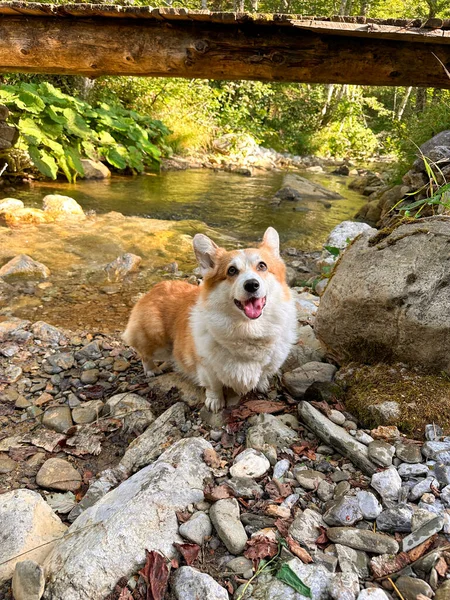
263, 385
214, 402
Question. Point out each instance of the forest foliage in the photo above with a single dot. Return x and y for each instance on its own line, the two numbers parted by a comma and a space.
129, 122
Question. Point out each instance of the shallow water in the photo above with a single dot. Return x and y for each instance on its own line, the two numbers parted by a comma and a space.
155, 217
232, 204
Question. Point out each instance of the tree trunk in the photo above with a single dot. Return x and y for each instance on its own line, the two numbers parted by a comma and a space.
421, 99
326, 106
404, 102
85, 87
365, 7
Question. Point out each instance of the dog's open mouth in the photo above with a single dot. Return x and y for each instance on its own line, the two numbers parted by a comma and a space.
252, 307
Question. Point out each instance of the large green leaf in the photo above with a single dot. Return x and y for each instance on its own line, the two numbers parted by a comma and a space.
116, 157
7, 95
76, 125
74, 159
287, 575
106, 138
30, 102
43, 161
31, 131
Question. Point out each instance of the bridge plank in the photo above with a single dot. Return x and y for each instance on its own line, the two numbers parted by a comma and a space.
93, 40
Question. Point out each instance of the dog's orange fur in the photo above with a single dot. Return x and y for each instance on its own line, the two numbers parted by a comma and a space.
160, 319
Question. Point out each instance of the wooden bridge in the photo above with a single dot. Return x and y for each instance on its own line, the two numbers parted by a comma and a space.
93, 40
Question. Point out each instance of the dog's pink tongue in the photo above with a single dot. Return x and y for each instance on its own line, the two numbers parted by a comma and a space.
253, 307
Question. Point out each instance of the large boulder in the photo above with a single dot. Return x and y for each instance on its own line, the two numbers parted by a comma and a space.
28, 529
108, 540
388, 298
94, 169
61, 207
23, 267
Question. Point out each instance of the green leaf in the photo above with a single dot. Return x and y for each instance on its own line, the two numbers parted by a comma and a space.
89, 150
54, 116
106, 138
30, 102
7, 95
287, 575
64, 166
333, 250
43, 161
116, 157
74, 159
76, 125
29, 128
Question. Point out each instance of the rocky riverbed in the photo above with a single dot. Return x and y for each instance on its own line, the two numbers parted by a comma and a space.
115, 486
285, 495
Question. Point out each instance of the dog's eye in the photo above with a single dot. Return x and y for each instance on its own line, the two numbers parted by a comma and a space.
262, 266
232, 271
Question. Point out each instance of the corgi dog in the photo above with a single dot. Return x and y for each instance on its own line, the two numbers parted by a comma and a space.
234, 330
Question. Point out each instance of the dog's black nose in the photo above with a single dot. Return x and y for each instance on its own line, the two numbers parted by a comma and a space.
251, 285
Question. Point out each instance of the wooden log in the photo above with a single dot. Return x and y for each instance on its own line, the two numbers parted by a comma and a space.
89, 41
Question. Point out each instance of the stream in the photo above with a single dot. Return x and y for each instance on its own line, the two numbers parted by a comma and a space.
155, 217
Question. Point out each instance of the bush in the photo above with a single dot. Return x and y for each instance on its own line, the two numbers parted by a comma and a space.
58, 129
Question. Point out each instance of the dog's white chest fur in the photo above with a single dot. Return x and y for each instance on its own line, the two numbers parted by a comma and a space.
237, 353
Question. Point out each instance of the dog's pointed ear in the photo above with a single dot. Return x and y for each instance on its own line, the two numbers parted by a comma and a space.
205, 252
271, 240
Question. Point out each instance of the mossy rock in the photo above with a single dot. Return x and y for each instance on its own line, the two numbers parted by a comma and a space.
396, 395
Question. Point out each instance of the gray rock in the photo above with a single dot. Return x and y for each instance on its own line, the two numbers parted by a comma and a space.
411, 587
90, 376
139, 514
388, 484
307, 478
433, 432
281, 468
442, 474
407, 471
48, 333
381, 453
368, 504
409, 453
422, 487
420, 518
343, 511
119, 268
385, 413
58, 362
190, 584
224, 515
325, 490
396, 519
363, 437
94, 169
353, 561
98, 488
10, 204
337, 437
372, 287
359, 539
28, 581
299, 380
133, 409
443, 592
58, 418
197, 528
267, 431
249, 463
373, 593
316, 577
306, 527
7, 464
58, 474
344, 586
150, 444
11, 326
445, 495
245, 487
423, 533
88, 412
23, 267
91, 351
308, 349
336, 416
239, 565
438, 451
27, 524
62, 206
347, 231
